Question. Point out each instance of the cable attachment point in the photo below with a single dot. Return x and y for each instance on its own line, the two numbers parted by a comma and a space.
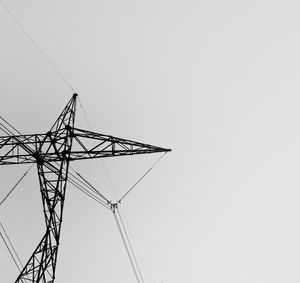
114, 207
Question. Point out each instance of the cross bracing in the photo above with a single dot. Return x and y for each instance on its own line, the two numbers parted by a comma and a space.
52, 152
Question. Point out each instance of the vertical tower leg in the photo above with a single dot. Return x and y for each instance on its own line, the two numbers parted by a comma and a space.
41, 266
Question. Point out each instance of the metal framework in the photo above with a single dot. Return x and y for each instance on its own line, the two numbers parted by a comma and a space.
52, 152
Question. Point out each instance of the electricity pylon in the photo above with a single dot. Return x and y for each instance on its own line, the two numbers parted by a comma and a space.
52, 152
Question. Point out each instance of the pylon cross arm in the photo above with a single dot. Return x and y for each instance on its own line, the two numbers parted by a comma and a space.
87, 145
21, 149
52, 152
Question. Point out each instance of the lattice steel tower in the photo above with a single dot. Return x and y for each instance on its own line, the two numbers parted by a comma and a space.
52, 152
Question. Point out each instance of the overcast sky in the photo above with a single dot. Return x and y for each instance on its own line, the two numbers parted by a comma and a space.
216, 81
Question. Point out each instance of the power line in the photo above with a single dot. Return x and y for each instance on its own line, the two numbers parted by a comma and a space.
85, 189
10, 252
102, 161
4, 120
138, 253
14, 250
53, 176
114, 207
130, 246
140, 179
127, 249
75, 181
36, 45
93, 188
13, 188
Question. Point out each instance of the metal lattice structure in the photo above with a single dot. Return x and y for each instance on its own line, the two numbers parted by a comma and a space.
52, 152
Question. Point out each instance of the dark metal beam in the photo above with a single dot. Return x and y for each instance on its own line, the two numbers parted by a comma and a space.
52, 153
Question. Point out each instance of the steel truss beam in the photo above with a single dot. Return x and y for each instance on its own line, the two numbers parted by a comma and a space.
52, 153
86, 145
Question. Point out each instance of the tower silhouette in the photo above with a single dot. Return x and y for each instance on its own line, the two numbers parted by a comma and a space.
52, 152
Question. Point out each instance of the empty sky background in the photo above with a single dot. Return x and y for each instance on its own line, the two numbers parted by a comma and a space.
216, 81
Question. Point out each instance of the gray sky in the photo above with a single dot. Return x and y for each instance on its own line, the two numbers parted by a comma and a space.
216, 81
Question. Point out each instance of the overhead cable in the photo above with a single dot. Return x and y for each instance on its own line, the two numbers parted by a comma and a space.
127, 249
13, 188
130, 246
5, 129
85, 191
102, 161
10, 252
135, 246
73, 179
4, 120
92, 187
140, 179
36, 45
12, 246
